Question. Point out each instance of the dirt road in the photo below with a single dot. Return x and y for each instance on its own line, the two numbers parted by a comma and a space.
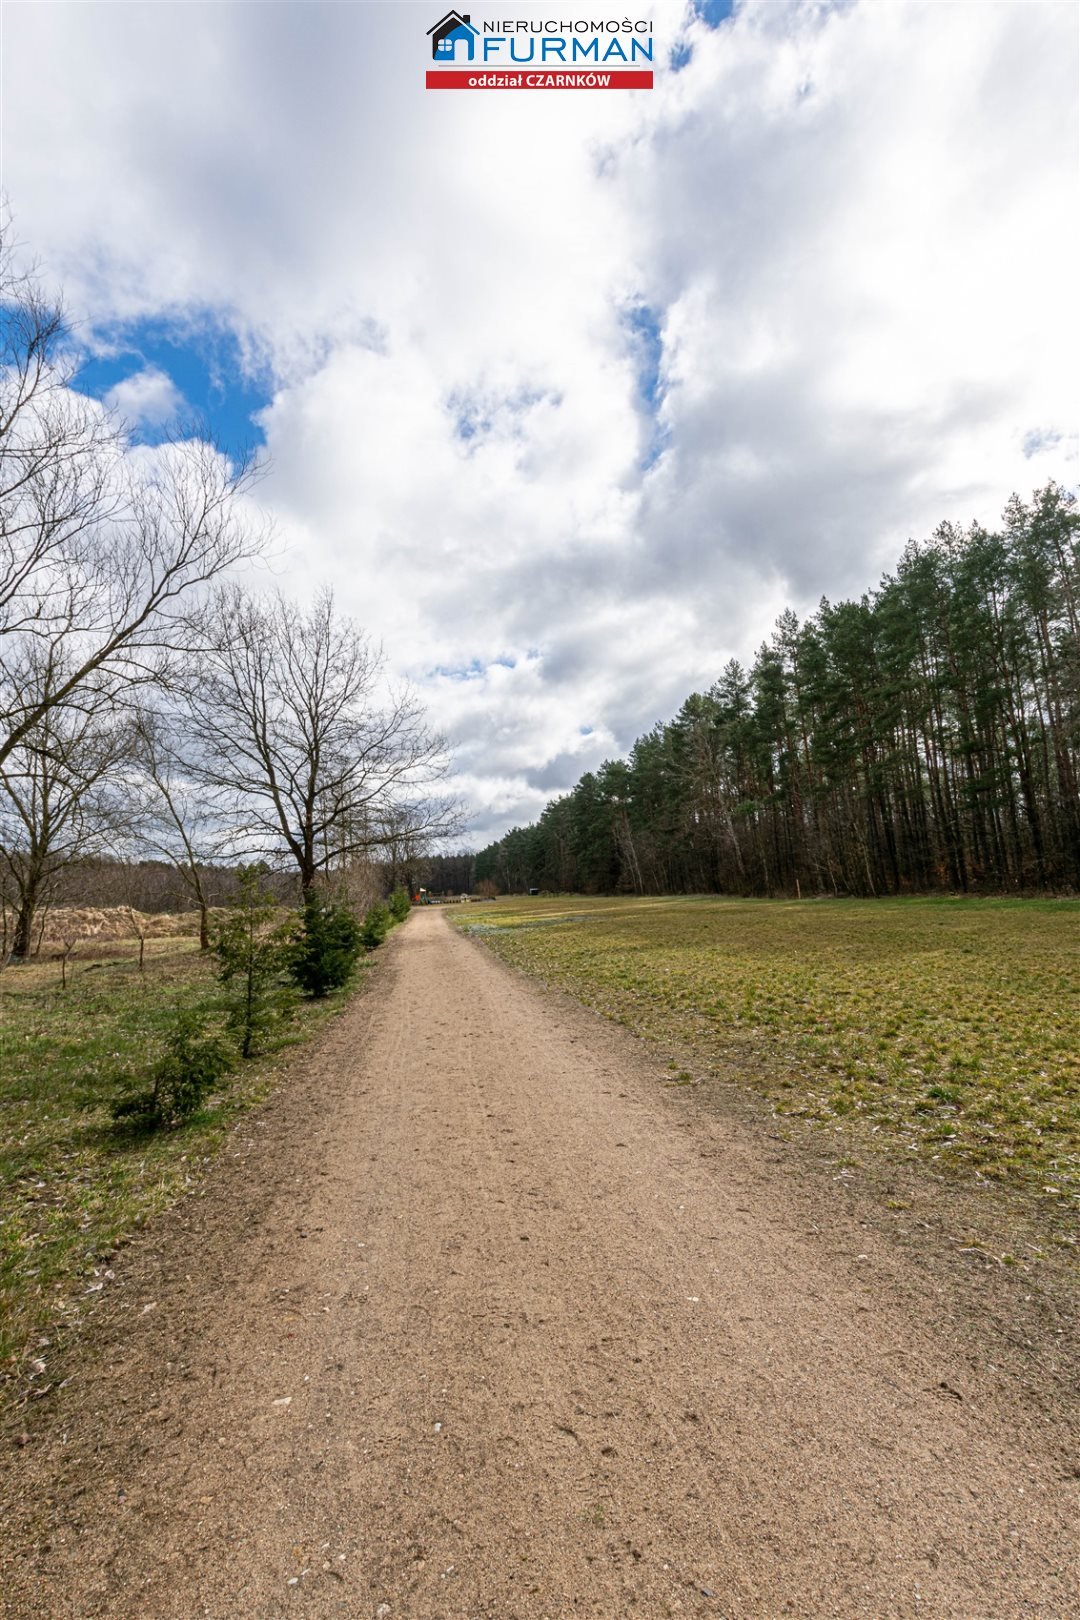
478, 1319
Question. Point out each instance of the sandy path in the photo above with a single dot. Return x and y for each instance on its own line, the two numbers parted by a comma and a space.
480, 1321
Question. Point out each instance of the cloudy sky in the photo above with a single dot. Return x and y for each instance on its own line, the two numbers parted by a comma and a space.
569, 394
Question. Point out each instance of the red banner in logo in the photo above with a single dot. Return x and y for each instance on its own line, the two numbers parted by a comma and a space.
537, 79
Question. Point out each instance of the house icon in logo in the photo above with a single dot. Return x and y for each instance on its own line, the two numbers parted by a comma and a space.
446, 33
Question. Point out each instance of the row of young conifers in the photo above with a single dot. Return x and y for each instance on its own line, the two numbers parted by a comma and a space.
924, 737
262, 961
150, 706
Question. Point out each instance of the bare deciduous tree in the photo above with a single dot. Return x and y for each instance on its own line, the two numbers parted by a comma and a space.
101, 547
55, 451
176, 819
316, 756
59, 798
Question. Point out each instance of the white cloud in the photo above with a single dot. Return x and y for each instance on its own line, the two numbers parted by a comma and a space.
854, 226
148, 398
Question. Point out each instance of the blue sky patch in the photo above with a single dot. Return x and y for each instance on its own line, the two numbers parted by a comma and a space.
1040, 439
477, 414
473, 670
202, 360
714, 12
643, 322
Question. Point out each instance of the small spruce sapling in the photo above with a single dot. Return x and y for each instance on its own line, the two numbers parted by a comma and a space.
252, 957
325, 950
188, 1070
376, 926
399, 904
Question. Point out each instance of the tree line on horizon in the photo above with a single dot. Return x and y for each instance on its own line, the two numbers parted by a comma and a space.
923, 738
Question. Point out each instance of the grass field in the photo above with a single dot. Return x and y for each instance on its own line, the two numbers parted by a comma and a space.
948, 1028
71, 1186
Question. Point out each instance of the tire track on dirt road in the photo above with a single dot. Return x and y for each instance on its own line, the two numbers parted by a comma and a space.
480, 1324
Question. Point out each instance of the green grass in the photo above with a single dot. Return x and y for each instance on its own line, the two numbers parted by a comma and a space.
72, 1187
948, 1028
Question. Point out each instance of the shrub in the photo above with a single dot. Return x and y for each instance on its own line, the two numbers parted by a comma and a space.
252, 957
185, 1074
324, 952
377, 924
399, 904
